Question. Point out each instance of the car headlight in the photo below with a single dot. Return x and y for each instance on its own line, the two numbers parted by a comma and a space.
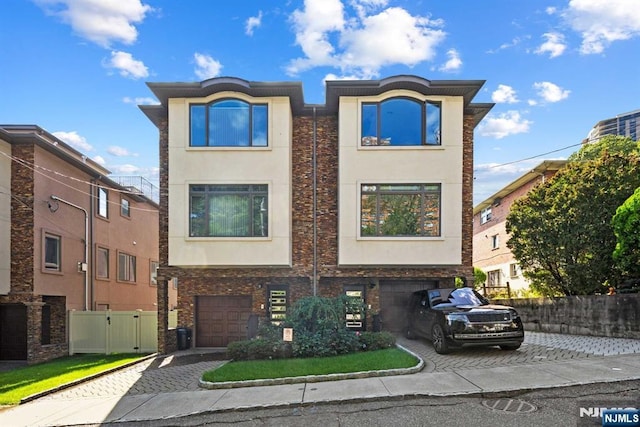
514, 314
456, 317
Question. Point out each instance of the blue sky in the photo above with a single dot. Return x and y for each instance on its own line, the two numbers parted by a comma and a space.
554, 68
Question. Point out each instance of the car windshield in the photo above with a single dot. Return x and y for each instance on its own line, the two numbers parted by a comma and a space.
466, 296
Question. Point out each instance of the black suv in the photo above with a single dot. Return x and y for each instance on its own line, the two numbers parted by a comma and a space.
458, 317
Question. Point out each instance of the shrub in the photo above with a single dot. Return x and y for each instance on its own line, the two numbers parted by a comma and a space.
370, 341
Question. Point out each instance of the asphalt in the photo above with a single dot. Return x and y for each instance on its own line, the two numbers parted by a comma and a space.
169, 386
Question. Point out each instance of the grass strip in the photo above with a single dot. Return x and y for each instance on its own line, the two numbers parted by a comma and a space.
25, 381
392, 358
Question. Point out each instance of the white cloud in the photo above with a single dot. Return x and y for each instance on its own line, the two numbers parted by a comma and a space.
602, 22
100, 21
502, 125
140, 101
114, 150
550, 92
554, 45
489, 178
73, 139
100, 160
206, 66
364, 43
126, 169
504, 94
252, 23
453, 63
127, 65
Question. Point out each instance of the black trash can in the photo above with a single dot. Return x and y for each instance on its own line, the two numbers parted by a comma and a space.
184, 338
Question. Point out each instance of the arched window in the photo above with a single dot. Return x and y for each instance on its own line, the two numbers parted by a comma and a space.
401, 121
229, 123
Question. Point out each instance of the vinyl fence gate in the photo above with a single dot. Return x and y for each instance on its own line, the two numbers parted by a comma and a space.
113, 332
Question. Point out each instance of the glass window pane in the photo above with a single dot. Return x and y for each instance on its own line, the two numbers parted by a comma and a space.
433, 123
369, 124
229, 124
102, 261
400, 122
431, 214
198, 216
400, 213
260, 216
259, 136
103, 202
198, 126
368, 215
52, 252
229, 215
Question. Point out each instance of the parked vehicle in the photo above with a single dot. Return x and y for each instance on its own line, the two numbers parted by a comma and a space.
452, 318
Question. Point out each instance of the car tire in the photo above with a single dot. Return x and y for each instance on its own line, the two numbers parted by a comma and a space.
509, 347
439, 340
410, 334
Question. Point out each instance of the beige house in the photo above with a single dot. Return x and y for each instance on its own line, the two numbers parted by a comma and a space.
490, 251
266, 199
70, 239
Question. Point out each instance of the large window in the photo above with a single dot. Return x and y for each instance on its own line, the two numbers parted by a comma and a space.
126, 267
229, 123
103, 202
401, 121
400, 210
52, 257
228, 210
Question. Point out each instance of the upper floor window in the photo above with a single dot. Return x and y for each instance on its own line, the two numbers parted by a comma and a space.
52, 257
103, 202
228, 210
153, 272
126, 267
495, 241
125, 209
229, 123
102, 263
400, 210
401, 121
485, 215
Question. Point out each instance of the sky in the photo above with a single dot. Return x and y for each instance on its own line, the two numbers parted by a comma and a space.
79, 68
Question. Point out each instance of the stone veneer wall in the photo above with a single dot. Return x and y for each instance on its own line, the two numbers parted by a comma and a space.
597, 315
331, 278
23, 264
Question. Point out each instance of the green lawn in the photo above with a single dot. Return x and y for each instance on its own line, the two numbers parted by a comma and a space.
25, 381
392, 358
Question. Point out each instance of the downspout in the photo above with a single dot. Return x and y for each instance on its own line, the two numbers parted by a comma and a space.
315, 205
86, 246
92, 270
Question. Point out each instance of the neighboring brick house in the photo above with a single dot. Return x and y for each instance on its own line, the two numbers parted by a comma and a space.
70, 239
490, 251
266, 199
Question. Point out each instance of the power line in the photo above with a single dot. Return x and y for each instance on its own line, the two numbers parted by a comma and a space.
534, 157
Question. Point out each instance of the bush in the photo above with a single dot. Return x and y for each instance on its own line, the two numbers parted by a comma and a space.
325, 343
370, 341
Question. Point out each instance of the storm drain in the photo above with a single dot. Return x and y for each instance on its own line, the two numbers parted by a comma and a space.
508, 405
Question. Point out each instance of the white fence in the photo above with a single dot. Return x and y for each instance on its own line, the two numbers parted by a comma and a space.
113, 332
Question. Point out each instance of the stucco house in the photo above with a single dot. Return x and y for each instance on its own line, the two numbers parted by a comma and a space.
490, 251
266, 199
70, 239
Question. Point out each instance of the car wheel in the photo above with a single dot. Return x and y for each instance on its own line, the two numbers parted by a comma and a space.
410, 334
510, 347
439, 340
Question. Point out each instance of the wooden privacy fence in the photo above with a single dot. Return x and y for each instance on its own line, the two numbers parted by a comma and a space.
113, 332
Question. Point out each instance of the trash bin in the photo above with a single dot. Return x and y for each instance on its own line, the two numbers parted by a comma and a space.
184, 338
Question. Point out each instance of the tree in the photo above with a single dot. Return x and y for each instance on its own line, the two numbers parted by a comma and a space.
561, 231
626, 226
479, 277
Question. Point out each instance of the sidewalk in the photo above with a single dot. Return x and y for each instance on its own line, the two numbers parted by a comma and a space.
67, 409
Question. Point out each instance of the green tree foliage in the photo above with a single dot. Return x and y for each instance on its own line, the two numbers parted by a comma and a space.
626, 226
561, 231
479, 277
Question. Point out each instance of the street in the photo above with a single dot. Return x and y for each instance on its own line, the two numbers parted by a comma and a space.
548, 407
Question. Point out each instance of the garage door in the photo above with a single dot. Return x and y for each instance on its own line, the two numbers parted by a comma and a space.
221, 320
394, 298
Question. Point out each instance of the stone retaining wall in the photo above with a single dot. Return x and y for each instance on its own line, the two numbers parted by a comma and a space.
597, 315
